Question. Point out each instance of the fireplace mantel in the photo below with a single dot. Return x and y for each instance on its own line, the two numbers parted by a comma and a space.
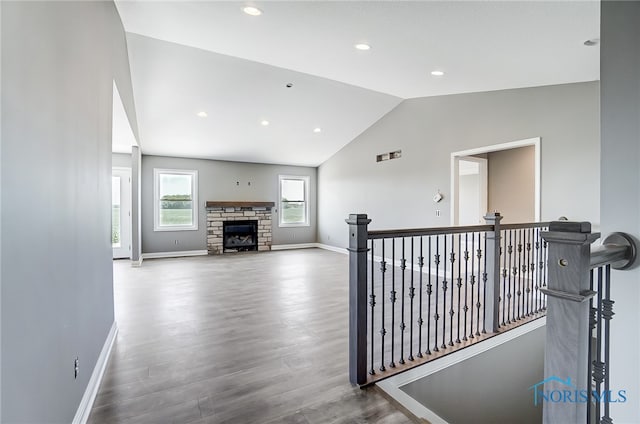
238, 204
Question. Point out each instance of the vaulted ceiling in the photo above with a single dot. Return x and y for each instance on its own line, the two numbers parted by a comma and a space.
191, 57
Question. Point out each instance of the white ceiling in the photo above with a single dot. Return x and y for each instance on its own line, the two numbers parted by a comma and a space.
480, 45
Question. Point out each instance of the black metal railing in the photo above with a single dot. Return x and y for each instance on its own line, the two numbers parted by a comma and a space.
417, 294
617, 250
579, 318
523, 261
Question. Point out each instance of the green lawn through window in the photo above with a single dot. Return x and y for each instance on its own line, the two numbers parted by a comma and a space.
176, 216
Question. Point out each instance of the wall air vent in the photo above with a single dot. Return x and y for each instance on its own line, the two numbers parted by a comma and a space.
387, 156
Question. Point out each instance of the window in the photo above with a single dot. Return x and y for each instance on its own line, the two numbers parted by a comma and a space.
294, 204
175, 200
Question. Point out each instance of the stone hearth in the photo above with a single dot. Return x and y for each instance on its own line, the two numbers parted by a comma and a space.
219, 212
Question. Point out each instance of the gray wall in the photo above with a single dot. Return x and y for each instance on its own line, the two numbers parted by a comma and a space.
512, 184
620, 182
59, 61
488, 388
398, 193
122, 160
217, 181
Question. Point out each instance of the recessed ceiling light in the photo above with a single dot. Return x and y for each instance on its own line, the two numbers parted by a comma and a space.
264, 122
251, 10
592, 42
437, 73
362, 46
202, 114
317, 130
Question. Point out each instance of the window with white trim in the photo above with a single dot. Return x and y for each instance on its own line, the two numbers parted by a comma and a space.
175, 200
294, 201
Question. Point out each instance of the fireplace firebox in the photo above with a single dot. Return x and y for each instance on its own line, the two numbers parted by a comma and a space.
240, 236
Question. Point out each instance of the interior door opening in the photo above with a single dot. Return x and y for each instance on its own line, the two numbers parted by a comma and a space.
503, 177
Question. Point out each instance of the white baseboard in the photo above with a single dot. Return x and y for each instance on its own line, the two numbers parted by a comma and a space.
178, 254
332, 248
293, 246
84, 409
136, 263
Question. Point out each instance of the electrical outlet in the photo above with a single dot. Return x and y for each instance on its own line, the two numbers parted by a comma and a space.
175, 242
438, 212
76, 368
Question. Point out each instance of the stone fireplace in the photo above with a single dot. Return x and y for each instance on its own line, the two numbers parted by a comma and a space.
238, 226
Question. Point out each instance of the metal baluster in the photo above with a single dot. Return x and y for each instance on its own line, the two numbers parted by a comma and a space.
383, 331
516, 273
511, 310
473, 279
528, 273
592, 326
607, 314
598, 365
533, 272
522, 270
393, 299
545, 258
403, 266
420, 321
452, 259
372, 303
538, 269
444, 293
484, 290
478, 304
436, 316
503, 253
412, 294
429, 287
459, 283
466, 282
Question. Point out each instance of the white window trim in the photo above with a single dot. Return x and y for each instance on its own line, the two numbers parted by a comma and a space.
306, 222
156, 200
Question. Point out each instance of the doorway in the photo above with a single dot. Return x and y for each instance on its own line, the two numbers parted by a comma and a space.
503, 177
121, 213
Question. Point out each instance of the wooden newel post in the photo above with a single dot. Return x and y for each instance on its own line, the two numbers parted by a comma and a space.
492, 307
568, 294
358, 297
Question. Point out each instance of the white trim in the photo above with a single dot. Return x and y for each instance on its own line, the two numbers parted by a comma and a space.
137, 263
179, 254
342, 250
84, 409
495, 148
194, 199
293, 246
392, 384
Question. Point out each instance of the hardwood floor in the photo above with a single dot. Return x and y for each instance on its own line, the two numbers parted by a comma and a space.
243, 338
